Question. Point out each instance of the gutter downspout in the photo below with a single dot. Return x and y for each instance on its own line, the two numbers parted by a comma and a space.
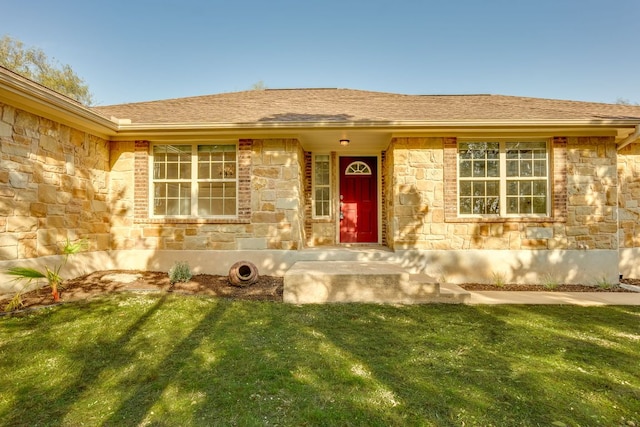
630, 139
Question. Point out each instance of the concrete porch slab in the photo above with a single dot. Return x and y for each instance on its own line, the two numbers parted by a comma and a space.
314, 282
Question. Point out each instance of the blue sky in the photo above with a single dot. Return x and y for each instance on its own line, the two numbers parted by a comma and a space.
139, 50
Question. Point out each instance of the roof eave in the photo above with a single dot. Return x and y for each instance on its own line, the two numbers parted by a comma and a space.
620, 127
30, 96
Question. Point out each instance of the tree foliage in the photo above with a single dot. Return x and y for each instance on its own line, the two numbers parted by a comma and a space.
34, 64
258, 86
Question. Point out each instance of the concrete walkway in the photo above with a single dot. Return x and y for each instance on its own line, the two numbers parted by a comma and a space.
569, 298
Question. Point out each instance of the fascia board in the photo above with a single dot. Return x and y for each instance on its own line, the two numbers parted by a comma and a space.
397, 128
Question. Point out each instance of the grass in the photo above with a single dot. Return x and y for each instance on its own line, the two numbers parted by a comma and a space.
174, 360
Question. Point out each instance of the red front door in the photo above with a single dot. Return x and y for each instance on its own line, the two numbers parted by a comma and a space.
358, 200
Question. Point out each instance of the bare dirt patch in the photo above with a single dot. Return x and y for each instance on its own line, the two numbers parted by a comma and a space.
267, 288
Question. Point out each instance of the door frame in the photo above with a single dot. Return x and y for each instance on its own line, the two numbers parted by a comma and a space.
337, 174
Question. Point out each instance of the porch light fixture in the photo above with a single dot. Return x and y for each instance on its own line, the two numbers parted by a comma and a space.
344, 142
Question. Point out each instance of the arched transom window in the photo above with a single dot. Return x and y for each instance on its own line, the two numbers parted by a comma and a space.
358, 168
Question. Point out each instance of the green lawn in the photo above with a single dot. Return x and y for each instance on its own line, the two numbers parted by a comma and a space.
176, 360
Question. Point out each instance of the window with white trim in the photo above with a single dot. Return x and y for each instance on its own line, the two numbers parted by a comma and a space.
194, 180
321, 186
503, 178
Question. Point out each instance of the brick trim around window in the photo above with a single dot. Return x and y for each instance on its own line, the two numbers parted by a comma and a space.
141, 189
558, 185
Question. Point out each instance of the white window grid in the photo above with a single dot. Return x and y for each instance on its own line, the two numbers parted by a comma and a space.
174, 176
321, 185
493, 181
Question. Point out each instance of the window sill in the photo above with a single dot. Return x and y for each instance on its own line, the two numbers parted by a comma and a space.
192, 221
504, 220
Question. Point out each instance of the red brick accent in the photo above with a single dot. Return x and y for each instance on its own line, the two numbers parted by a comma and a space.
141, 180
559, 177
308, 196
450, 178
244, 179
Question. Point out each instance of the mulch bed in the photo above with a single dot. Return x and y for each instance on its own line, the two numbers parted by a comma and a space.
558, 288
267, 288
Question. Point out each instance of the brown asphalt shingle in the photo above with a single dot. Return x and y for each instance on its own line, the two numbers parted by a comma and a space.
347, 105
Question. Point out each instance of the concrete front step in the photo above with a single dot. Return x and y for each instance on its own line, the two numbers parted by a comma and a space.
309, 282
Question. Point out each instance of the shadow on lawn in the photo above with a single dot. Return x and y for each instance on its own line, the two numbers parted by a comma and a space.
494, 388
203, 362
57, 405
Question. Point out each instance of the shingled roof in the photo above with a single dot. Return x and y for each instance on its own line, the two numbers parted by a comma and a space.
347, 105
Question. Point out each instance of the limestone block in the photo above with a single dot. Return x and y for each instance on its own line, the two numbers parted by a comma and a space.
252, 243
8, 239
21, 224
47, 193
8, 252
196, 242
268, 195
266, 172
6, 130
28, 248
287, 203
539, 233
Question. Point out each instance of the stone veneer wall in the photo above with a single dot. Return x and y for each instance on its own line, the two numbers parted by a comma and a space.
53, 186
584, 211
271, 209
629, 197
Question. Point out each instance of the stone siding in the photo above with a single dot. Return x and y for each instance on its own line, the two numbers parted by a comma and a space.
270, 204
629, 197
54, 186
424, 199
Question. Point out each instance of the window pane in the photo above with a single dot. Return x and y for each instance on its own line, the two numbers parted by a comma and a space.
465, 168
465, 188
540, 168
478, 188
493, 188
230, 190
465, 205
512, 205
512, 188
540, 188
479, 168
493, 168
539, 205
525, 188
512, 168
204, 170
525, 205
217, 162
493, 205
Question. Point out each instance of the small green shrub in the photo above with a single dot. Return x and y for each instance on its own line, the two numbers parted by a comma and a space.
550, 282
14, 303
51, 275
499, 278
603, 283
180, 272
